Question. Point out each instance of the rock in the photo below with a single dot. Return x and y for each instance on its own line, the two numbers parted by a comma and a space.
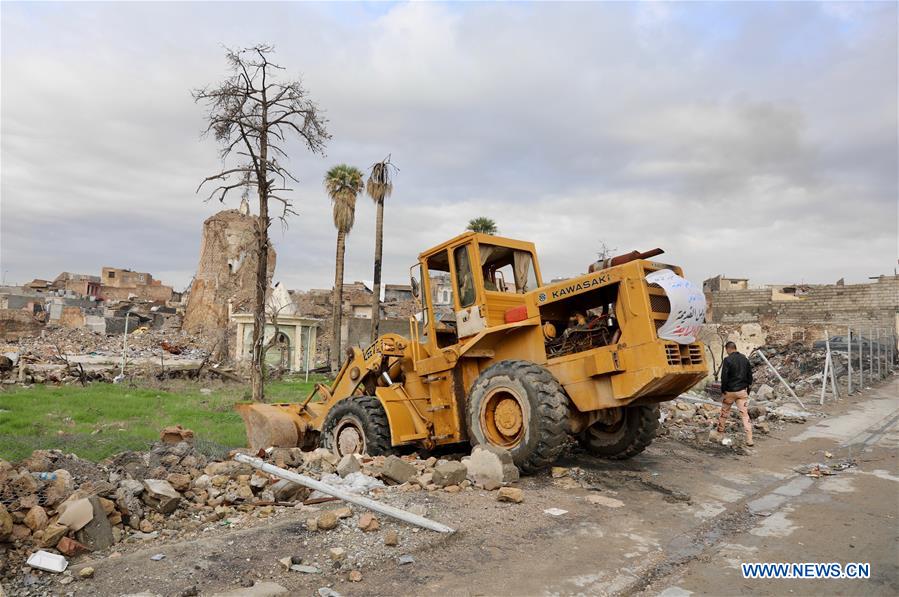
762, 427
344, 512
326, 521
288, 491
259, 589
368, 522
490, 463
70, 548
337, 554
36, 519
229, 468
53, 534
97, 534
146, 526
449, 473
391, 538
304, 569
311, 524
405, 559
398, 470
354, 576
175, 435
790, 414
510, 494
6, 523
59, 489
348, 464
601, 500
86, 572
764, 392
179, 481
558, 472
160, 495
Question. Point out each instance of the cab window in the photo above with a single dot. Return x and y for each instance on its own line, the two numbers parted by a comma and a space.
464, 278
507, 270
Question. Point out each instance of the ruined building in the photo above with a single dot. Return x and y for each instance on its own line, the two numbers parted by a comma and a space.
226, 272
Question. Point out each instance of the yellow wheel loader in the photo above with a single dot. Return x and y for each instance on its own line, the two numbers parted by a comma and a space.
497, 356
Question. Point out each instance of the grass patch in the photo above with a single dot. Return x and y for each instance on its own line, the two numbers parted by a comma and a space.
99, 420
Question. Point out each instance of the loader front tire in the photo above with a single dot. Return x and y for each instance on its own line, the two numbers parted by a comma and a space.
627, 437
357, 425
519, 406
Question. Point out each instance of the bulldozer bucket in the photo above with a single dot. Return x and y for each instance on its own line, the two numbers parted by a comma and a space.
270, 425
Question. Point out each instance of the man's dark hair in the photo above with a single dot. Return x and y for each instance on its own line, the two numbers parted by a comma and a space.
730, 345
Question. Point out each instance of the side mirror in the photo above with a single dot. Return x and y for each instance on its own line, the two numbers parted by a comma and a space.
416, 288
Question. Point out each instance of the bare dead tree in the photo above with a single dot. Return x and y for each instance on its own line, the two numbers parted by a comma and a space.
252, 114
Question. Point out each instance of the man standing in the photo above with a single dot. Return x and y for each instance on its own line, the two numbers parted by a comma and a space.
736, 377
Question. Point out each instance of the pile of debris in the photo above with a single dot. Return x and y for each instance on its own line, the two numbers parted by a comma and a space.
69, 355
801, 366
65, 506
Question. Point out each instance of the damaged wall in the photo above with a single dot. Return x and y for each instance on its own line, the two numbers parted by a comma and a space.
18, 323
859, 305
226, 272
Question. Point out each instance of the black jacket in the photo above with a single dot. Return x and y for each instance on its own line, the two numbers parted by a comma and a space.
736, 373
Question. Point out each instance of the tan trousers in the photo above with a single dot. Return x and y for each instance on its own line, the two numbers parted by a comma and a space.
741, 399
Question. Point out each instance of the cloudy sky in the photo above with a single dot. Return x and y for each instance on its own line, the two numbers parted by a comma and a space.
747, 139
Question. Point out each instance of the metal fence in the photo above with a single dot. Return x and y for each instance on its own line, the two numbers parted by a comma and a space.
871, 352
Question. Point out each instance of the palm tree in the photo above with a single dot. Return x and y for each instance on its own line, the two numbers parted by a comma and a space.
343, 184
378, 187
485, 225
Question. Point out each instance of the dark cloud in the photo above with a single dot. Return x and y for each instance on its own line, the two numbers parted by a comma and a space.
746, 139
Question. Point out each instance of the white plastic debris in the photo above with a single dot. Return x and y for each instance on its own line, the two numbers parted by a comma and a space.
555, 511
44, 560
726, 441
358, 483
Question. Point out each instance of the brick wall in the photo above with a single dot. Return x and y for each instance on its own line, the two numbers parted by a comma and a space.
861, 306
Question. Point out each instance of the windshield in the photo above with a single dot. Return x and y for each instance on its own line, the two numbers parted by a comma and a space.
507, 270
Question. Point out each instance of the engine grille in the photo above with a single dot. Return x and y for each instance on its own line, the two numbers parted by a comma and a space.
683, 354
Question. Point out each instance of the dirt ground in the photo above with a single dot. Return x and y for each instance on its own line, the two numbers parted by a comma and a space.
677, 520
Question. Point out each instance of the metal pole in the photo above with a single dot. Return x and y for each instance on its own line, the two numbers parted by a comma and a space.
861, 363
849, 360
826, 368
786, 385
365, 502
125, 341
879, 376
308, 341
833, 377
871, 354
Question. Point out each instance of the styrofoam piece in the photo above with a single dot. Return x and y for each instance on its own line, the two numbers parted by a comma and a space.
44, 560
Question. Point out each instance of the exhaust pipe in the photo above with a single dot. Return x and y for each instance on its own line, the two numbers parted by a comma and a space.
622, 259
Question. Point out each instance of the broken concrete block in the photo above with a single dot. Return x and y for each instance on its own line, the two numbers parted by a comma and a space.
510, 494
288, 491
764, 392
36, 519
179, 481
449, 473
344, 512
398, 470
326, 521
59, 489
391, 538
52, 534
490, 464
368, 522
337, 554
355, 576
75, 514
348, 464
70, 548
176, 435
160, 495
97, 534
5, 523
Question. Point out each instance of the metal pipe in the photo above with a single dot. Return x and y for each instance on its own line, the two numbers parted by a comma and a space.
879, 376
833, 377
871, 354
125, 341
861, 363
826, 367
786, 385
849, 360
359, 500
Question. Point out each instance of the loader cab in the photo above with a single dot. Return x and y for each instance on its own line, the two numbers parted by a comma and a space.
467, 283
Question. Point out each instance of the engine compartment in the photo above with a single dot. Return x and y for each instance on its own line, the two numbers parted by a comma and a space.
581, 323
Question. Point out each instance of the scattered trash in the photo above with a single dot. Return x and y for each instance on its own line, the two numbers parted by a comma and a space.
406, 559
44, 560
817, 470
555, 511
726, 441
305, 569
157, 557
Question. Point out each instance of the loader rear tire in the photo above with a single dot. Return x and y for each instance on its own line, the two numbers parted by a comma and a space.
519, 406
357, 426
628, 437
